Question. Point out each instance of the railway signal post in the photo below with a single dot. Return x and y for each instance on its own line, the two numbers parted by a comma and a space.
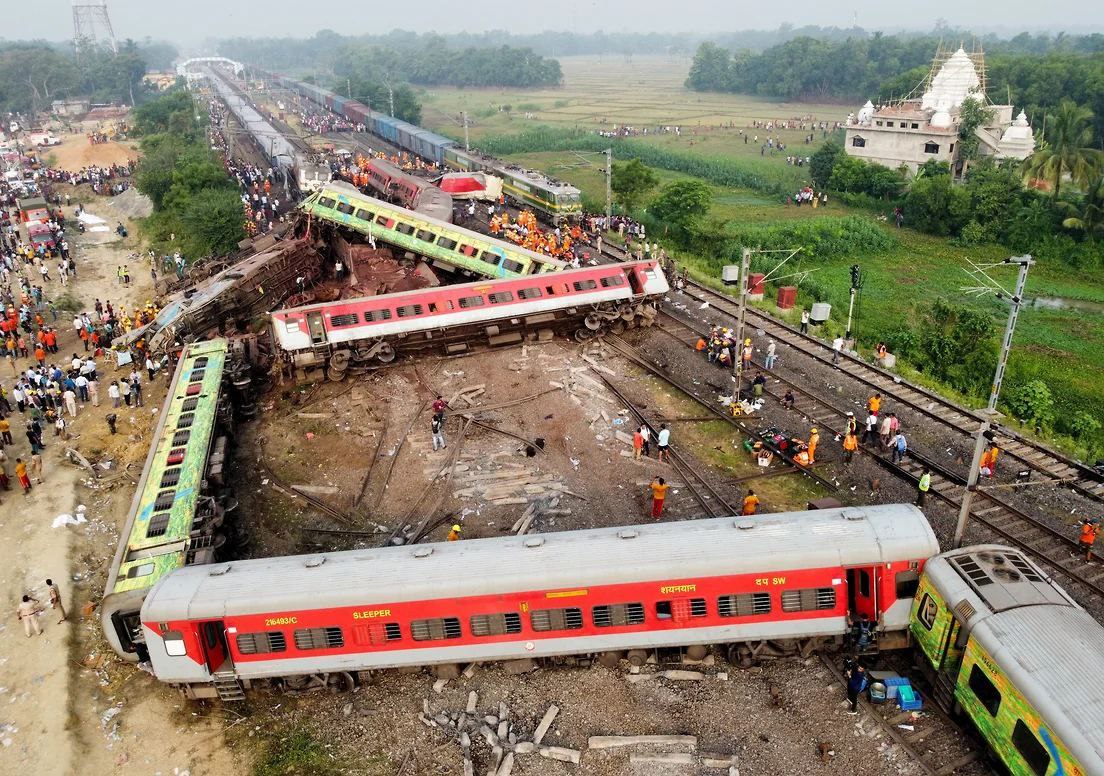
1016, 298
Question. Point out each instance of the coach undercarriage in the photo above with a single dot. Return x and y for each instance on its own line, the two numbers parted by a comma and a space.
581, 322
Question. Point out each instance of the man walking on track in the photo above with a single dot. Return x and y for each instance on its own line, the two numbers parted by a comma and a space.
1090, 527
659, 488
55, 599
923, 487
28, 612
664, 440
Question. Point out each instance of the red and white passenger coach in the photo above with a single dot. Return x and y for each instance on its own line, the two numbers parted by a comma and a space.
763, 584
609, 297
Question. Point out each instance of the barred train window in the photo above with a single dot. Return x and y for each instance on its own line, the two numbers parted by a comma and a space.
613, 281
261, 643
345, 319
435, 629
495, 624
681, 609
471, 301
610, 615
809, 599
556, 619
500, 297
512, 266
744, 604
377, 315
319, 638
530, 293
584, 285
377, 633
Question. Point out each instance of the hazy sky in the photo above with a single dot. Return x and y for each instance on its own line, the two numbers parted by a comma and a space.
192, 21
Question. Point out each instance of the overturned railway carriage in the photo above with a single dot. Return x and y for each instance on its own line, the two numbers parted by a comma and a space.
1009, 649
451, 319
770, 584
175, 518
446, 246
408, 190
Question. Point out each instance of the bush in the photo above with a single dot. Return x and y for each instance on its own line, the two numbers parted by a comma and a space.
819, 238
1031, 402
1084, 426
974, 234
857, 176
902, 341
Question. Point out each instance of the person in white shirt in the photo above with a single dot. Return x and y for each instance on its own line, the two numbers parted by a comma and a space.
837, 346
664, 440
113, 393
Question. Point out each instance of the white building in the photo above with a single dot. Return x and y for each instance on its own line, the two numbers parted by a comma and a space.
916, 129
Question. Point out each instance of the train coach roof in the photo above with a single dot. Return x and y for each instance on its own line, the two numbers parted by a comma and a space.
1055, 656
604, 556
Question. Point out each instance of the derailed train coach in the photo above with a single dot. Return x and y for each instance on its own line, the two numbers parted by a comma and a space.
772, 584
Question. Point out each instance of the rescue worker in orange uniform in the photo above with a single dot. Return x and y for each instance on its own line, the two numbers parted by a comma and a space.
874, 404
1089, 530
814, 440
850, 445
988, 463
751, 503
454, 534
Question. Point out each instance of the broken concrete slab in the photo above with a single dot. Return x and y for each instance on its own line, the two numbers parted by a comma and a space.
545, 723
563, 754
507, 765
613, 742
683, 676
667, 758
473, 699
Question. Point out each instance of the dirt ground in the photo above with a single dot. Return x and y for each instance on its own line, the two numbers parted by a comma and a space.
68, 707
76, 152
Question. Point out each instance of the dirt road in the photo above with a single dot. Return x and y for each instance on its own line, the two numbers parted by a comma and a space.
69, 707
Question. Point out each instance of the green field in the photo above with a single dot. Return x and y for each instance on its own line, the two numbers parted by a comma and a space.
1065, 347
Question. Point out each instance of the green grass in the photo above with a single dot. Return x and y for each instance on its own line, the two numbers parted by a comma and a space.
298, 754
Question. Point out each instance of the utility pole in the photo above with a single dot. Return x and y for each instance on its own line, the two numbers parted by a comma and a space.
745, 279
981, 440
609, 186
464, 117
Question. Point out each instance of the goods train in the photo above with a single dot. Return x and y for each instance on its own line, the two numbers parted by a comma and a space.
769, 584
1011, 651
449, 319
296, 166
554, 199
408, 190
449, 247
175, 519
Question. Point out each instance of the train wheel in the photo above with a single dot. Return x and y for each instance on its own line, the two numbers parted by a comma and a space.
593, 322
617, 327
627, 313
697, 652
340, 360
342, 681
638, 657
335, 375
386, 354
609, 659
582, 335
740, 656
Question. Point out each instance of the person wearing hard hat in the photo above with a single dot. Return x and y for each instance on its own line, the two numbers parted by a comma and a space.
745, 354
454, 534
814, 440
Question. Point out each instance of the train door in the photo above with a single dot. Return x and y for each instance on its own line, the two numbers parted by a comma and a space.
213, 636
862, 594
317, 328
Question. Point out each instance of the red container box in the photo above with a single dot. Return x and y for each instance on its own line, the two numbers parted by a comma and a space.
755, 283
787, 297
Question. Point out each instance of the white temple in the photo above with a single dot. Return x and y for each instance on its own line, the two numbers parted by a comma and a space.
914, 130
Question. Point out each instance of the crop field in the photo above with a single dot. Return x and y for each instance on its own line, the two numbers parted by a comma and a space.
603, 92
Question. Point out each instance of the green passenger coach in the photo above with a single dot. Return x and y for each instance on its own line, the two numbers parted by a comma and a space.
446, 245
173, 519
1010, 650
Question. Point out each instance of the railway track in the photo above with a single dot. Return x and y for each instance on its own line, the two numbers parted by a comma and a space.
1050, 546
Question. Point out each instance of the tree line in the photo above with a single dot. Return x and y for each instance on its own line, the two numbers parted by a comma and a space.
426, 60
35, 73
197, 207
1034, 72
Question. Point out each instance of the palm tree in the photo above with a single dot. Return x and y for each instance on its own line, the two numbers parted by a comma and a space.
1067, 148
1088, 215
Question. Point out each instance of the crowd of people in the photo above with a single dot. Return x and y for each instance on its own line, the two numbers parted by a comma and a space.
110, 180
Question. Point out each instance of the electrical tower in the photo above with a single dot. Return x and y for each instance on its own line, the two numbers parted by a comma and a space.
92, 26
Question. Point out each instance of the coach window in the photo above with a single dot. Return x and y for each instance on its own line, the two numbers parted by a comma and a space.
345, 319
610, 615
495, 624
364, 215
1032, 752
158, 525
346, 208
681, 609
928, 611
467, 250
513, 266
500, 297
530, 293
984, 690
261, 643
470, 301
808, 600
435, 629
402, 228
446, 243
425, 236
384, 221
319, 638
744, 604
556, 619
377, 633
584, 285
174, 644
613, 281
409, 310
377, 315
906, 583
326, 202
